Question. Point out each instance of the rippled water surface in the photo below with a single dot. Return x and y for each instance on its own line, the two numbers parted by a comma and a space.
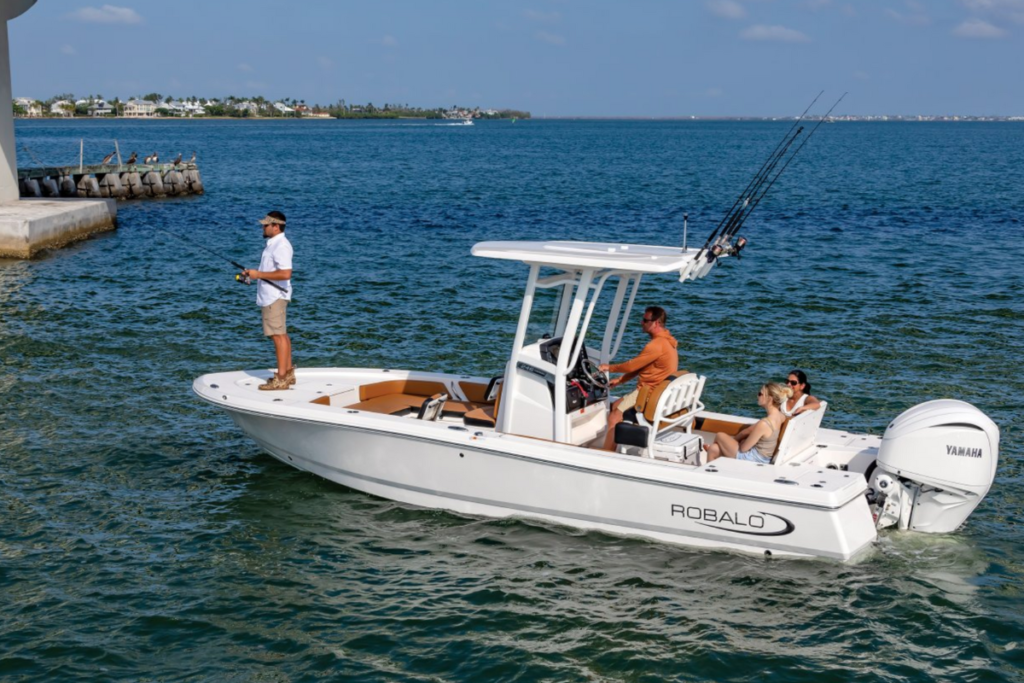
143, 538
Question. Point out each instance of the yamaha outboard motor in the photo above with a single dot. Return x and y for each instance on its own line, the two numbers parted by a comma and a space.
936, 462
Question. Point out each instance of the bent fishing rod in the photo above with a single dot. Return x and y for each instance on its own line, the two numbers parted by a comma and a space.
241, 277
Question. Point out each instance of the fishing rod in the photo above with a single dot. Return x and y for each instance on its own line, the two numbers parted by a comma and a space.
241, 277
803, 142
730, 226
760, 173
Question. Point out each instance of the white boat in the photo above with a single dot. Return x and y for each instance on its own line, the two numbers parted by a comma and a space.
523, 444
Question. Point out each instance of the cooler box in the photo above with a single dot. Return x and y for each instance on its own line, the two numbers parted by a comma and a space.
678, 447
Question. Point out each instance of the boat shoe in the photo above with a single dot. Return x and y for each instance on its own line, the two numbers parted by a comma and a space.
291, 376
275, 383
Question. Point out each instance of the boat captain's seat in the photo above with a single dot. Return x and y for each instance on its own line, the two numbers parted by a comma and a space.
672, 404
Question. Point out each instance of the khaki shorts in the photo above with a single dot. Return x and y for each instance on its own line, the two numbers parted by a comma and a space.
274, 318
628, 401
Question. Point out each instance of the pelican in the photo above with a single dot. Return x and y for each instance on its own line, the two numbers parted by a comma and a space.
177, 160
132, 158
106, 159
193, 159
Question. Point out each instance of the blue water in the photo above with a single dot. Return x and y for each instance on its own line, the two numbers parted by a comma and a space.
143, 538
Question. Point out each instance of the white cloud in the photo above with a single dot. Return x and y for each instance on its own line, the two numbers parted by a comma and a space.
976, 28
68, 50
246, 68
728, 9
917, 16
542, 17
108, 14
389, 41
1002, 9
779, 34
549, 38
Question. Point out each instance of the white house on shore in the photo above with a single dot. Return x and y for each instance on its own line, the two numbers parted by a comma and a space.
32, 108
63, 108
100, 108
139, 109
251, 107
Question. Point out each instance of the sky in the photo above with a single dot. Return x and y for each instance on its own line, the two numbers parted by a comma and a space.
556, 58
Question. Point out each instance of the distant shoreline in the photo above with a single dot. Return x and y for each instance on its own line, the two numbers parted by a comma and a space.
740, 119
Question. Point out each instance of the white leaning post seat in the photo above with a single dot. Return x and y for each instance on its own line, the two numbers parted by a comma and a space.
799, 434
677, 408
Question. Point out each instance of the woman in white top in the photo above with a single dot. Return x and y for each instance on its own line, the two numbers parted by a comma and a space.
801, 400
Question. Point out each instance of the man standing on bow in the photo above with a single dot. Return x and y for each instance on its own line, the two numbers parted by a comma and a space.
276, 267
658, 360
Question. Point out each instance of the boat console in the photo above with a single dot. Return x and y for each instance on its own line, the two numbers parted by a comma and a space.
543, 405
584, 384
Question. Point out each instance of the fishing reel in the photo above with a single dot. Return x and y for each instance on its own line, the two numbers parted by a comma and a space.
734, 249
243, 279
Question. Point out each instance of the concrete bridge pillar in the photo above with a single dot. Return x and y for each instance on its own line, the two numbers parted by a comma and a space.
32, 225
9, 9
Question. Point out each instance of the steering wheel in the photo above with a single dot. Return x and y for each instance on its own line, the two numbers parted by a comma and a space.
592, 371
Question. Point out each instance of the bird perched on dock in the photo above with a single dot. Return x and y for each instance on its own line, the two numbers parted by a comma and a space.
192, 160
106, 159
151, 159
132, 159
177, 159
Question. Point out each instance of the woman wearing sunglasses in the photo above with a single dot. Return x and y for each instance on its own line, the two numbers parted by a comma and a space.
801, 401
756, 442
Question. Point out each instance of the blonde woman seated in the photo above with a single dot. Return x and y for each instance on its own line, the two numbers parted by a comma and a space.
755, 442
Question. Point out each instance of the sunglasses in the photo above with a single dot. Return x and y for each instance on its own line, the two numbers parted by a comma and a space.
792, 382
647, 320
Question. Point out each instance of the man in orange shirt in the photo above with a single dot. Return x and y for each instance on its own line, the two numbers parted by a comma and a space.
658, 360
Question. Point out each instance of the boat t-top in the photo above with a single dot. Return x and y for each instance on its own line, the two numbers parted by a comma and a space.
526, 441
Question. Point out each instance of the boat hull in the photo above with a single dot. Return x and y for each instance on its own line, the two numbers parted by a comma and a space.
492, 476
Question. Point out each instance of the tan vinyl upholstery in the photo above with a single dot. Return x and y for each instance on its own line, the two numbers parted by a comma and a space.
485, 415
396, 396
714, 425
474, 391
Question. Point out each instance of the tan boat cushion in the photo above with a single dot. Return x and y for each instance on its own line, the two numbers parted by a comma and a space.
715, 425
419, 388
389, 404
474, 391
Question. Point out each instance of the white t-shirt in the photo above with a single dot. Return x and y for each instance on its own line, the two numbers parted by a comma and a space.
799, 404
277, 255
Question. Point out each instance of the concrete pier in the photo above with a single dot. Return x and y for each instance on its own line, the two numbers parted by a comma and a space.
28, 226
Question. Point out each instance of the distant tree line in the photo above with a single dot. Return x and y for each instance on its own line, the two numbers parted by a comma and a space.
256, 106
